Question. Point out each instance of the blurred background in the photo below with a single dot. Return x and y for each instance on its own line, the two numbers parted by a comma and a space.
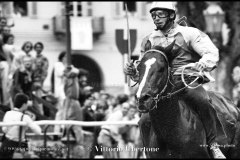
94, 29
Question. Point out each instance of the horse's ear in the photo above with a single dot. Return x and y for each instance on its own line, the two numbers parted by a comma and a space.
147, 46
167, 50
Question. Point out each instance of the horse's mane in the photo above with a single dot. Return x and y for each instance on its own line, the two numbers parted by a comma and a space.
166, 50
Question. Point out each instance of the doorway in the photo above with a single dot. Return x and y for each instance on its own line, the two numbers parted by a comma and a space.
95, 73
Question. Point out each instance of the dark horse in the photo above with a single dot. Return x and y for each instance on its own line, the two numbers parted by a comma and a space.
169, 126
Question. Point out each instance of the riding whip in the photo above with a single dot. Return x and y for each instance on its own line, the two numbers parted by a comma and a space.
129, 41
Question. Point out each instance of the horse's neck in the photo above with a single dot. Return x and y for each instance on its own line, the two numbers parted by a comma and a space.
169, 108
172, 111
166, 117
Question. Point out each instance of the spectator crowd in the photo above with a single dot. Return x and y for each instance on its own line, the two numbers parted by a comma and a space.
71, 98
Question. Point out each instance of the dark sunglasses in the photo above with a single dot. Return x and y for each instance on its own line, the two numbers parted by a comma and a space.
159, 14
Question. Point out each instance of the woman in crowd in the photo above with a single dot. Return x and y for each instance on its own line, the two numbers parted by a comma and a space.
25, 52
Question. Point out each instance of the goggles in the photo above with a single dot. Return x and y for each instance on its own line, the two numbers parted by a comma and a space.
159, 14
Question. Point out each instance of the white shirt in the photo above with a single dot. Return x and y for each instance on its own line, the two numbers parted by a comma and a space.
116, 116
59, 80
12, 132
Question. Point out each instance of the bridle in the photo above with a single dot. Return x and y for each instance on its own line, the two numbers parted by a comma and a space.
159, 96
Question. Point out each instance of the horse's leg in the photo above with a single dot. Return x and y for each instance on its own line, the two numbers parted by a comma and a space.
235, 146
145, 128
149, 138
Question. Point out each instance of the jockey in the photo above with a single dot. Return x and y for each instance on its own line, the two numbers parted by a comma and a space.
190, 46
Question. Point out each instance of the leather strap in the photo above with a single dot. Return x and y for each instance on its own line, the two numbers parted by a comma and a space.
20, 132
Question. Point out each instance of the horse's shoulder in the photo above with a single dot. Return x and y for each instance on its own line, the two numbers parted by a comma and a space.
186, 110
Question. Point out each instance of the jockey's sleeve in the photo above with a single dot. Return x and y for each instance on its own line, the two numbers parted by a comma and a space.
202, 44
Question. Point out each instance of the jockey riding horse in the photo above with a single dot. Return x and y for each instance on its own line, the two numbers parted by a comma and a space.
190, 45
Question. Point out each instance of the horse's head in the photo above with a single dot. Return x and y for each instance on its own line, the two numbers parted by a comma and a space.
153, 78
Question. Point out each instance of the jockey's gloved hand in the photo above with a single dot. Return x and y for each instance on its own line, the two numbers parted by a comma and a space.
130, 69
199, 66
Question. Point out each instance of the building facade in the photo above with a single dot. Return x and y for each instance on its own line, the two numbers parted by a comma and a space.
45, 22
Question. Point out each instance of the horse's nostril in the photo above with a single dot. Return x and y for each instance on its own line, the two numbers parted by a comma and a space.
142, 109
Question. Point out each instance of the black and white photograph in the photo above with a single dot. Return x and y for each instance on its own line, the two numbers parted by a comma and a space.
119, 79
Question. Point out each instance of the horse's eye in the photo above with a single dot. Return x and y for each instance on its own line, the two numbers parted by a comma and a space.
145, 97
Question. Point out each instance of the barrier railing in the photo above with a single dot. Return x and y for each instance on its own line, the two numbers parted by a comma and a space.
71, 123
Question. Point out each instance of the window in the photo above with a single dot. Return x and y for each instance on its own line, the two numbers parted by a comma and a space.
89, 9
63, 11
117, 8
79, 9
131, 6
71, 8
34, 8
144, 9
20, 8
75, 8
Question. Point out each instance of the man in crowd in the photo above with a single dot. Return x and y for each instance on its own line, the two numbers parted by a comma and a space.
3, 63
84, 90
22, 79
41, 63
12, 135
40, 73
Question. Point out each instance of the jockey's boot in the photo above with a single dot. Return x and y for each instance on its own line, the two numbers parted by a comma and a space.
216, 152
